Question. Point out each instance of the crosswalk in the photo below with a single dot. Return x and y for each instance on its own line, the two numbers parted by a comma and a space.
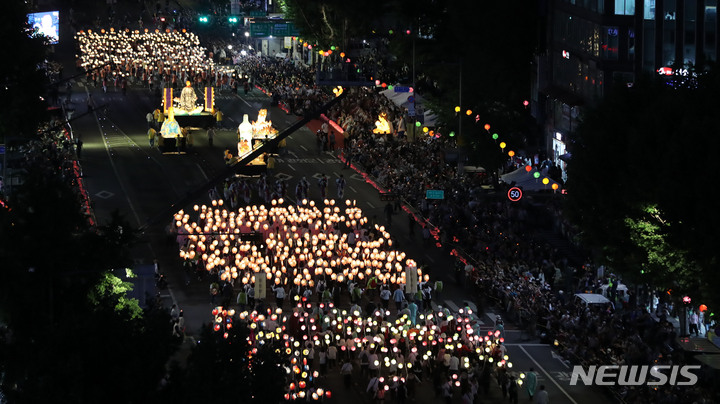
453, 307
117, 140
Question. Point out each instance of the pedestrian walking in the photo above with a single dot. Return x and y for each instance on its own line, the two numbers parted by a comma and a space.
332, 141
513, 390
542, 396
211, 136
346, 372
388, 213
150, 119
322, 184
90, 103
340, 186
530, 383
152, 133
399, 298
279, 295
694, 320
270, 165
78, 148
218, 119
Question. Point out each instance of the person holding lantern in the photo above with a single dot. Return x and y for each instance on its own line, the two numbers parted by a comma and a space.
279, 295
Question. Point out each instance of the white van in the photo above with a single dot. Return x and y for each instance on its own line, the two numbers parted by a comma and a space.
593, 298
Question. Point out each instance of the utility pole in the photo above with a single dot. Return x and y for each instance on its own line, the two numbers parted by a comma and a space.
460, 102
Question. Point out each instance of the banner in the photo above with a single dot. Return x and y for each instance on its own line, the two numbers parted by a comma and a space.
411, 280
260, 285
167, 99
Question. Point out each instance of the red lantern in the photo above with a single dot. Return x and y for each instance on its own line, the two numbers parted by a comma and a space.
487, 126
703, 308
528, 168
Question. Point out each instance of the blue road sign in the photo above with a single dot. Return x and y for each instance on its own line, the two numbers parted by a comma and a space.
434, 194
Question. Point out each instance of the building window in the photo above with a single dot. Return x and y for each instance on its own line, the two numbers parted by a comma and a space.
690, 29
649, 9
648, 48
710, 29
610, 41
668, 40
624, 7
631, 45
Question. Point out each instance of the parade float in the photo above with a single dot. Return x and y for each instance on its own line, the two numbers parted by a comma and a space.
187, 112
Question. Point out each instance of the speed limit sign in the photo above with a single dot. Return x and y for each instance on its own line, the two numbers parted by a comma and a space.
514, 194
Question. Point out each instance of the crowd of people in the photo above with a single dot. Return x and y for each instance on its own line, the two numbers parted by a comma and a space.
56, 153
154, 59
528, 279
289, 83
311, 261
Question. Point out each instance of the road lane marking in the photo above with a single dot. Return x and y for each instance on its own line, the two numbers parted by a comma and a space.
371, 205
523, 344
202, 172
112, 164
303, 147
243, 100
548, 375
353, 189
291, 167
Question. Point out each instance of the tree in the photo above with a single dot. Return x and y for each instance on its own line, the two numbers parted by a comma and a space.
73, 335
638, 183
22, 79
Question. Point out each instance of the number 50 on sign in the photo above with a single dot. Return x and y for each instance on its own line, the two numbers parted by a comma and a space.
514, 194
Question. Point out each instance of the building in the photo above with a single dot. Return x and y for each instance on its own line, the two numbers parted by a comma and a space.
591, 45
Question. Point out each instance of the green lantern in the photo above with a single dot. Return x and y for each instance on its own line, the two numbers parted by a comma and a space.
536, 175
495, 136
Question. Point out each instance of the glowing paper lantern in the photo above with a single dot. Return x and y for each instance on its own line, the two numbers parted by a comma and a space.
528, 168
545, 181
487, 126
536, 175
503, 145
555, 186
511, 153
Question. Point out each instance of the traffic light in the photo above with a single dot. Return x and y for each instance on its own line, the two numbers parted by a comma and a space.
203, 19
232, 20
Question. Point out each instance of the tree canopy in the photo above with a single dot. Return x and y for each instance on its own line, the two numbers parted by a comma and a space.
490, 44
641, 184
22, 78
229, 370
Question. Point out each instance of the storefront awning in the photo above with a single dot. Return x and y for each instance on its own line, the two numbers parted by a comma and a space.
697, 345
